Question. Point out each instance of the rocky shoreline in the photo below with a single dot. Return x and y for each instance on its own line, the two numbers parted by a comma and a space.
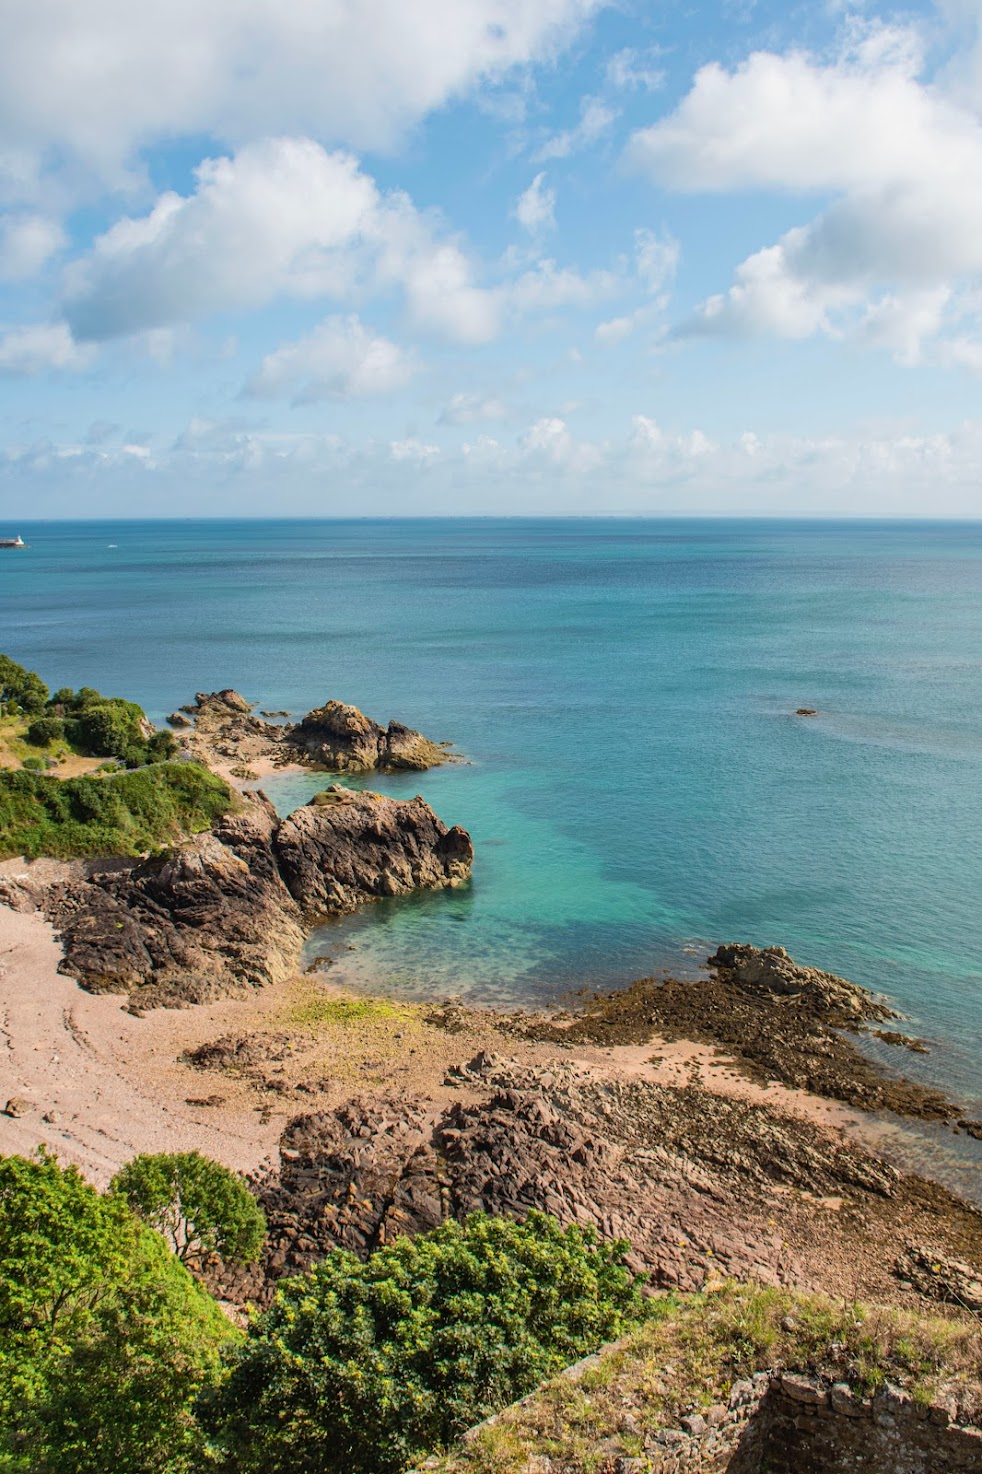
710, 1174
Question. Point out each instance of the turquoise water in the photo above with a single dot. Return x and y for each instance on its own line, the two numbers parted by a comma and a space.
638, 788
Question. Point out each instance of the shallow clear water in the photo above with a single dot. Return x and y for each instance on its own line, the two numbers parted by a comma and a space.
638, 787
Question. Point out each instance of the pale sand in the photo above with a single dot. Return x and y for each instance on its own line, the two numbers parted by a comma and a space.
112, 1079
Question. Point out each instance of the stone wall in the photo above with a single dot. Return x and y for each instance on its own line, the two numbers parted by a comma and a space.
795, 1425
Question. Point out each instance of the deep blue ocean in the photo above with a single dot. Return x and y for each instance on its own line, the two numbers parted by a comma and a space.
638, 787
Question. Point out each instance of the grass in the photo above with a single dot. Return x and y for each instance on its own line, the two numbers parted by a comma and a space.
315, 1011
690, 1352
123, 813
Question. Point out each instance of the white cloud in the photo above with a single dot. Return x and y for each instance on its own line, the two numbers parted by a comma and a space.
656, 262
92, 84
26, 351
415, 451
27, 243
548, 467
629, 69
535, 208
547, 287
340, 358
596, 119
889, 260
281, 217
470, 409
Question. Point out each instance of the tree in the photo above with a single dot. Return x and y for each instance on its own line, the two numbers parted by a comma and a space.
105, 1339
21, 688
201, 1207
369, 1365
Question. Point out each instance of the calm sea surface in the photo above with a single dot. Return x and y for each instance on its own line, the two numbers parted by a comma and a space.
638, 787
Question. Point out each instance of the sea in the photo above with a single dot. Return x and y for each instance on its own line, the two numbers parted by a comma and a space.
623, 694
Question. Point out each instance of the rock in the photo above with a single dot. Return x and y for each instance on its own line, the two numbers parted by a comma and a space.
342, 738
941, 1277
350, 847
694, 1424
806, 711
17, 1106
178, 719
771, 970
226, 698
51, 1117
805, 1390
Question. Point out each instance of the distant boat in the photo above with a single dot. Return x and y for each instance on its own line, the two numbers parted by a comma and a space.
12, 542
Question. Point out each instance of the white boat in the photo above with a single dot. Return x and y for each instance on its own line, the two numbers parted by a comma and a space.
12, 542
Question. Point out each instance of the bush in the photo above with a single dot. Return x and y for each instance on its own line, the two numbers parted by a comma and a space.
44, 730
370, 1365
200, 1207
114, 814
105, 1339
20, 688
108, 728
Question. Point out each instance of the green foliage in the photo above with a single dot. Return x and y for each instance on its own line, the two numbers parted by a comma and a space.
108, 727
20, 689
105, 1339
44, 730
369, 1365
201, 1207
115, 814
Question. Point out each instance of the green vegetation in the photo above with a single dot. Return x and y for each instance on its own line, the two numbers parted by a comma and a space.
21, 690
112, 814
200, 1207
83, 722
369, 1365
112, 1357
693, 1348
105, 1339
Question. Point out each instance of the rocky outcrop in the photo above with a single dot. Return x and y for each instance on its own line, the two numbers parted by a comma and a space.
693, 1180
227, 910
344, 847
335, 736
343, 739
769, 971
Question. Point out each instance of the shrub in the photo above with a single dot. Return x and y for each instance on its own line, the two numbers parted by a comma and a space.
20, 688
369, 1365
44, 730
107, 728
201, 1207
105, 1339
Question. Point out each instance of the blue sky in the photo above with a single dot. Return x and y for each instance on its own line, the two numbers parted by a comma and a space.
360, 257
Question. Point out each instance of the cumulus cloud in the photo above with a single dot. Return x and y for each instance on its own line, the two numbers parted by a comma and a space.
92, 84
341, 358
886, 259
27, 243
25, 351
596, 120
282, 217
535, 208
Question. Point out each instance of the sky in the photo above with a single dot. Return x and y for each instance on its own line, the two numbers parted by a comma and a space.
490, 257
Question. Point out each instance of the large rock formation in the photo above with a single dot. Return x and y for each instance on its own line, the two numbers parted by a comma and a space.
227, 909
343, 847
343, 739
335, 736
